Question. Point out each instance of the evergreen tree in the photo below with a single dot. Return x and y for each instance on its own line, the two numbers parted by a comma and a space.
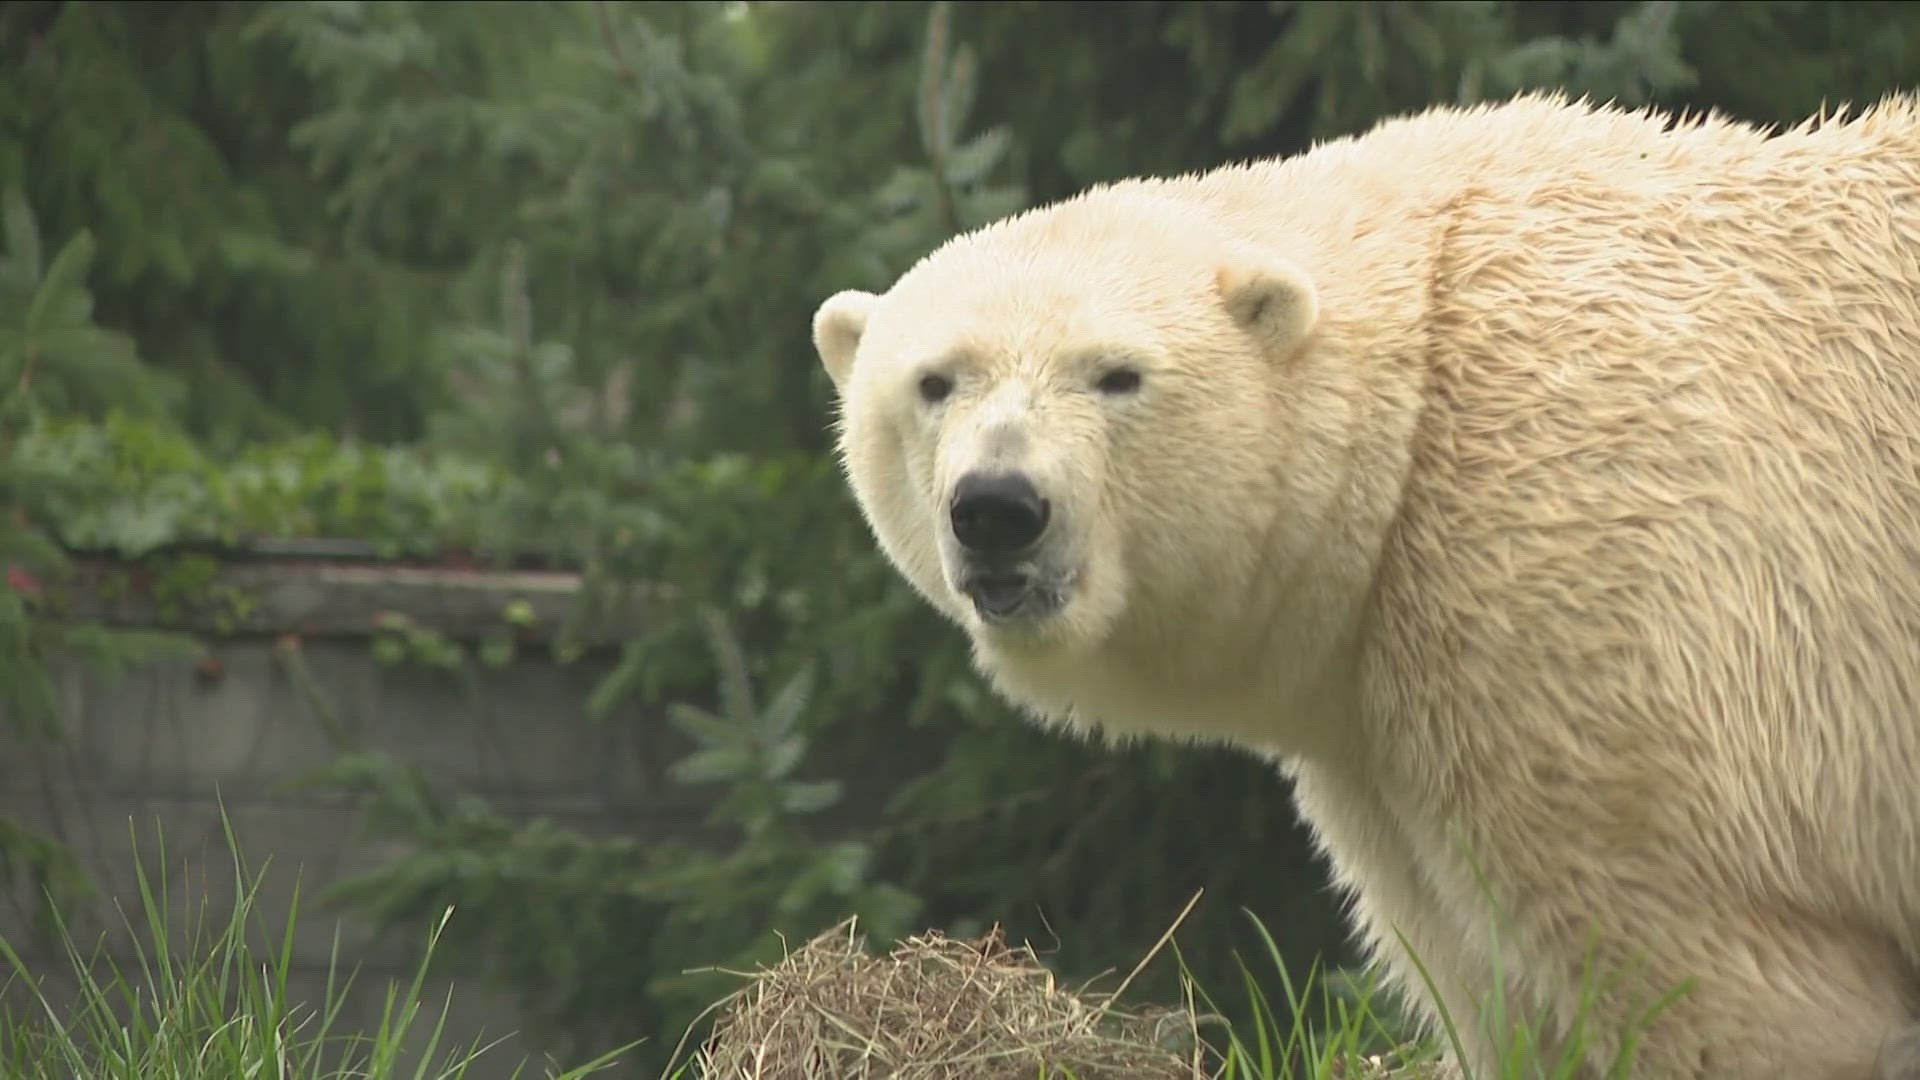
160, 129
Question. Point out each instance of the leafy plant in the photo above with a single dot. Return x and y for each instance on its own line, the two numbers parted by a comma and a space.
130, 487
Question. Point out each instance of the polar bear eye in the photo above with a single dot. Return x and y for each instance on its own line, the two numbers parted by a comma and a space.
1123, 380
935, 388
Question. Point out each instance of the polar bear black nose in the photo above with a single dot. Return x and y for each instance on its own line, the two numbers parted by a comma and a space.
997, 513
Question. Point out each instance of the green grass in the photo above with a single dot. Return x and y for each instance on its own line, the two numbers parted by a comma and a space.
1354, 1033
217, 1006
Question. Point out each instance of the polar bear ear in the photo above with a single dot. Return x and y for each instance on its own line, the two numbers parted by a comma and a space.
1273, 300
837, 327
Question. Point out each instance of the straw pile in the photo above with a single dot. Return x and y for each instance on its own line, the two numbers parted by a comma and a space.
937, 1009
940, 1009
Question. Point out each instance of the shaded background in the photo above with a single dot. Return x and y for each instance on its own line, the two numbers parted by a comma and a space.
488, 286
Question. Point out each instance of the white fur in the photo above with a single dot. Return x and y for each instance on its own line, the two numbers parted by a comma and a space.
1538, 485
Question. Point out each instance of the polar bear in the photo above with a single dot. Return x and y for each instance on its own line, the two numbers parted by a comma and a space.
1537, 484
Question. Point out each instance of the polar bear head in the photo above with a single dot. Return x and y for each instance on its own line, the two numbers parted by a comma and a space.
1081, 426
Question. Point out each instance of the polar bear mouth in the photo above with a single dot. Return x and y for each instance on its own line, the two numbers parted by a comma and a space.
999, 594
1008, 594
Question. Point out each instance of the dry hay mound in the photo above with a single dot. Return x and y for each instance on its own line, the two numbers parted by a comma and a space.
936, 1009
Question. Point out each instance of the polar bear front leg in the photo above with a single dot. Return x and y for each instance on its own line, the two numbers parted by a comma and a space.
1394, 907
1706, 985
1772, 996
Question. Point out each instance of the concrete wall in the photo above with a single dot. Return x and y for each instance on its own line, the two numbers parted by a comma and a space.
159, 753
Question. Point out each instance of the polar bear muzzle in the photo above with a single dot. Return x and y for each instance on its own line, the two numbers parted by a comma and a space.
998, 519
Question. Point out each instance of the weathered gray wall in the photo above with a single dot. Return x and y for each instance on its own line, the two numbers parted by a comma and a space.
159, 753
